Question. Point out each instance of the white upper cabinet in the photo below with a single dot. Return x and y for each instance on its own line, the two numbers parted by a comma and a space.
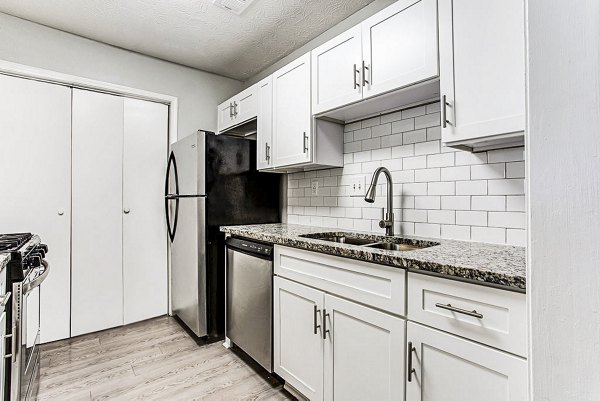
482, 70
238, 109
450, 368
400, 46
292, 115
336, 76
264, 122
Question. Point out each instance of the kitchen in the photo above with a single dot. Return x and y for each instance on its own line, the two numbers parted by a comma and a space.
299, 200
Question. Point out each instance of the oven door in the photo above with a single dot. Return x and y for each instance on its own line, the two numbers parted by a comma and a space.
30, 340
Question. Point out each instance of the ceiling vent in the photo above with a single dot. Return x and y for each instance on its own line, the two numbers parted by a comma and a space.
234, 6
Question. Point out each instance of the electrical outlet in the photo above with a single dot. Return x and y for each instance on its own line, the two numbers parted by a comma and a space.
357, 186
314, 187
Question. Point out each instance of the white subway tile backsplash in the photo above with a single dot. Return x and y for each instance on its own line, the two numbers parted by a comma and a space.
506, 155
487, 171
506, 219
440, 160
490, 203
416, 162
441, 188
488, 234
427, 202
471, 218
403, 126
427, 148
426, 175
428, 230
506, 187
455, 173
471, 187
414, 112
439, 191
414, 136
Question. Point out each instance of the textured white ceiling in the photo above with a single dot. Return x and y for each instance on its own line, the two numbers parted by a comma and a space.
193, 32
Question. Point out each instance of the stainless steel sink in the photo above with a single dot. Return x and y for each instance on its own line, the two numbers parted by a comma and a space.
373, 241
391, 246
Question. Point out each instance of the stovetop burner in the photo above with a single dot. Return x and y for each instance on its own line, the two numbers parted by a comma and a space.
12, 242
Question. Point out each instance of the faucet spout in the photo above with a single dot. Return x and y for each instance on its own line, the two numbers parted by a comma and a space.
388, 221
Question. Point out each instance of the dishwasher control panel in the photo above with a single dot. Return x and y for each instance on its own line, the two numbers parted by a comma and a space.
250, 247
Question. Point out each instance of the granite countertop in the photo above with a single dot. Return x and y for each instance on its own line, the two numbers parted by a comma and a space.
500, 266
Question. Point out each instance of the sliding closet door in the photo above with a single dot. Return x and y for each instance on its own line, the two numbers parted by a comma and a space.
35, 182
97, 242
144, 230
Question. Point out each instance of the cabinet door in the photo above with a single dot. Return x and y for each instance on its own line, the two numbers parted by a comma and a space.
245, 105
450, 368
400, 46
336, 79
292, 137
35, 165
364, 353
144, 232
226, 117
264, 124
486, 97
298, 342
97, 222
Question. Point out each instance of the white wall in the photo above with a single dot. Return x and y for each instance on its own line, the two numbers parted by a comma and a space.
198, 92
564, 190
331, 33
439, 192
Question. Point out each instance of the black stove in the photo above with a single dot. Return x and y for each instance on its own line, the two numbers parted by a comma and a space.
25, 271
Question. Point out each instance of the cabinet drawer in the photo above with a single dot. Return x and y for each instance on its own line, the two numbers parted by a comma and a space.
491, 316
374, 285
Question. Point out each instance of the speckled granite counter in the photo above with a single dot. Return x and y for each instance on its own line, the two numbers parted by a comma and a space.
3, 260
495, 265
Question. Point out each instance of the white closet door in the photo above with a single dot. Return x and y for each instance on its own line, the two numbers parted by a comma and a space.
35, 146
97, 227
144, 230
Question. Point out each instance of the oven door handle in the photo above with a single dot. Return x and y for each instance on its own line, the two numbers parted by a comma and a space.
38, 280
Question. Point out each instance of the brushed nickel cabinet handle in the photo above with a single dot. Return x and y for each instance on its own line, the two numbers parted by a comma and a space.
354, 71
305, 142
315, 320
451, 308
230, 110
324, 329
235, 106
445, 104
410, 369
365, 81
267, 151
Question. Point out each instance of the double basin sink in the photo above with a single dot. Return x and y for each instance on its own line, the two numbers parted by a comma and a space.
373, 241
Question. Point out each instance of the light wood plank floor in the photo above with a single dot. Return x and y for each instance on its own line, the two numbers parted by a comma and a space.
156, 359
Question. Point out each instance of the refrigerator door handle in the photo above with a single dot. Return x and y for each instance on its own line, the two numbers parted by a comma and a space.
172, 229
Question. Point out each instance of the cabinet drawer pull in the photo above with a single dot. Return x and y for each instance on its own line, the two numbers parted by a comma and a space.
315, 320
235, 106
305, 142
365, 81
267, 151
445, 104
451, 308
324, 329
354, 71
410, 369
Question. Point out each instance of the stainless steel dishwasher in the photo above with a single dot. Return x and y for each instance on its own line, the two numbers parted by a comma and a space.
249, 320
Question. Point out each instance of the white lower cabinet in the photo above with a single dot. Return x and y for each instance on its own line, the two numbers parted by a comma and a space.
333, 349
298, 338
364, 352
450, 368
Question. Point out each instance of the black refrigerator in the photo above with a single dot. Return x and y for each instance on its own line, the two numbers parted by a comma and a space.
211, 181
